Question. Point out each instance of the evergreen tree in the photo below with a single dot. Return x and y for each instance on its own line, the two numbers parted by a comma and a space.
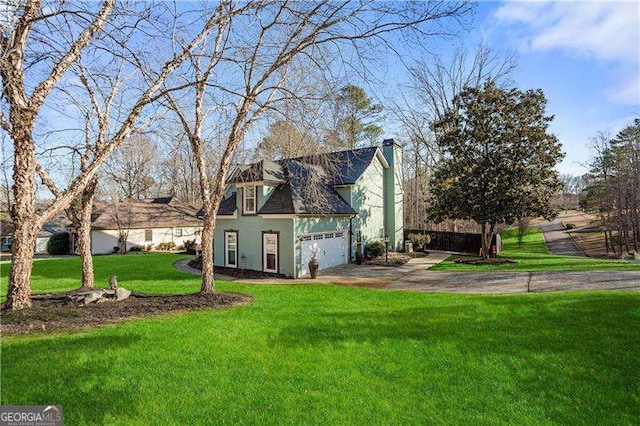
499, 159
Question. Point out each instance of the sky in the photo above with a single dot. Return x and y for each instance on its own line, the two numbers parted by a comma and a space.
585, 56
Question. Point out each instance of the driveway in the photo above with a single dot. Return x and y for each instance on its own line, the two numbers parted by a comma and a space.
558, 240
414, 276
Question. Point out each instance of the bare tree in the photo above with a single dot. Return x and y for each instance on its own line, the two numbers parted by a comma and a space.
243, 72
178, 172
131, 168
38, 48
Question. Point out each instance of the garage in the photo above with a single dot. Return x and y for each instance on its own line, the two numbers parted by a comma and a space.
331, 248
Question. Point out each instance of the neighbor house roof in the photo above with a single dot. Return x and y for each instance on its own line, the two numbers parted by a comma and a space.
55, 226
165, 212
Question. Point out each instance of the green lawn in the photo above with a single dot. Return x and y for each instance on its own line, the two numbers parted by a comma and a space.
334, 355
533, 256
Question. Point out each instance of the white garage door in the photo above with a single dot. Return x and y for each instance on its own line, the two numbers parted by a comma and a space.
331, 249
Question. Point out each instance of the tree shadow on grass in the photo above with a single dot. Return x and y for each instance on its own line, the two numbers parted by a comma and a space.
521, 326
86, 383
562, 353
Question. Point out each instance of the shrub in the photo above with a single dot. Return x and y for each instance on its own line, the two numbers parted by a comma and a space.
419, 240
58, 243
135, 248
168, 245
374, 249
569, 226
190, 246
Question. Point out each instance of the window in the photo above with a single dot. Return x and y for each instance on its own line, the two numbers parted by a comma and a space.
148, 234
249, 200
270, 252
178, 232
231, 249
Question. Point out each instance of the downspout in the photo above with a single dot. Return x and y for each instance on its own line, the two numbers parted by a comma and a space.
351, 236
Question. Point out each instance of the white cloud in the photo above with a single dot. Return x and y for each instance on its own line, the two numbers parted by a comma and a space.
605, 31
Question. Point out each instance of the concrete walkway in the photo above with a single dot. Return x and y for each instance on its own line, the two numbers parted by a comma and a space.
558, 240
415, 276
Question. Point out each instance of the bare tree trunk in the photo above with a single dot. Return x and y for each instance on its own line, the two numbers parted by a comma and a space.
84, 234
24, 242
23, 212
208, 232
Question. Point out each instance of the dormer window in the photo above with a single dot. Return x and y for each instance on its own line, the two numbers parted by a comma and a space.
249, 200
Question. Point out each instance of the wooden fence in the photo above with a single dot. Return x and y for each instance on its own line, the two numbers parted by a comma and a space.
459, 242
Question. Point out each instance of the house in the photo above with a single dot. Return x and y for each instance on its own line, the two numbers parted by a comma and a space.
143, 223
6, 234
56, 226
277, 214
50, 228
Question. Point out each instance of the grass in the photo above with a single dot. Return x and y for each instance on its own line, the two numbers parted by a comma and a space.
533, 256
324, 354
146, 272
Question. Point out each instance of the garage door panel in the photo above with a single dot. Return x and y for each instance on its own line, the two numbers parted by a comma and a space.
331, 250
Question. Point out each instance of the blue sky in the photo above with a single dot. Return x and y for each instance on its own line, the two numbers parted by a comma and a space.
585, 56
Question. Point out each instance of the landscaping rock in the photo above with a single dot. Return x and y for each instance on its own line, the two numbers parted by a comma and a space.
90, 297
100, 296
122, 293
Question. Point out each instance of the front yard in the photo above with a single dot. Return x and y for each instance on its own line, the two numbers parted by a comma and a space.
327, 354
534, 257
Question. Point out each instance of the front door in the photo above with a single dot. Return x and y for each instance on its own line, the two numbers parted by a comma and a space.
270, 252
231, 249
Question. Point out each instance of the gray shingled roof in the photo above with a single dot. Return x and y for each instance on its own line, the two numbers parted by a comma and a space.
310, 180
345, 167
227, 206
265, 170
305, 184
305, 192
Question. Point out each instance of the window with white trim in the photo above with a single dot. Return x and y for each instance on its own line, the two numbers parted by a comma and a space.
178, 232
249, 200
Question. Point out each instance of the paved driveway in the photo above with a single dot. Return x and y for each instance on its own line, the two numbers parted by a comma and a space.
558, 240
414, 276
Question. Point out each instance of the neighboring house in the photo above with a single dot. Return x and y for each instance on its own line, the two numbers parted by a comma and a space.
6, 234
54, 226
276, 214
143, 223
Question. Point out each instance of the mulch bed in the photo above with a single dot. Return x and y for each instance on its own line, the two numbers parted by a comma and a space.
481, 261
395, 258
54, 312
237, 272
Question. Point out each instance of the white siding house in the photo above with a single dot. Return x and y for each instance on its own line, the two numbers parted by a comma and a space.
143, 223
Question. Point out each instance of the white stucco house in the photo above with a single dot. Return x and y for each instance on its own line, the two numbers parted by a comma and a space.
146, 223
